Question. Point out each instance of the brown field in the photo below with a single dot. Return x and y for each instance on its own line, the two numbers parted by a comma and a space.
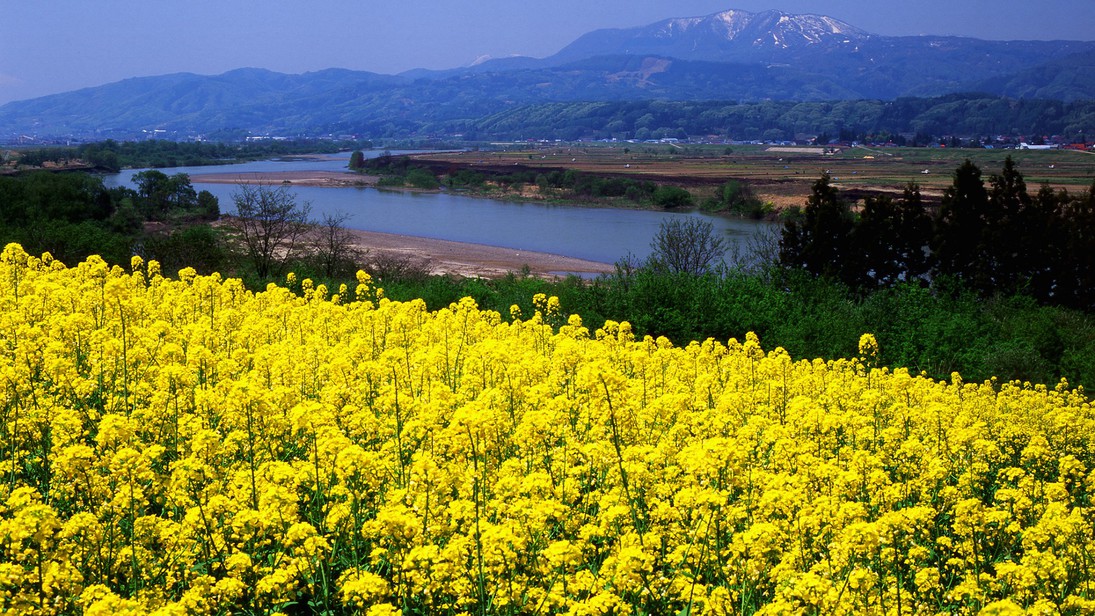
781, 175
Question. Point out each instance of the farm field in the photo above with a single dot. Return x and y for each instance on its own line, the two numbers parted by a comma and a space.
184, 445
781, 175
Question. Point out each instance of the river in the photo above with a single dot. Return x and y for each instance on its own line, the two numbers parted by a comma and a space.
596, 234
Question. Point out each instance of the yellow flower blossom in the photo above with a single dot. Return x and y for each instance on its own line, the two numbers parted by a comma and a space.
189, 446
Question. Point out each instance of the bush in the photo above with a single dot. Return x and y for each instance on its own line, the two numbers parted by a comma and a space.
420, 178
671, 197
201, 247
391, 181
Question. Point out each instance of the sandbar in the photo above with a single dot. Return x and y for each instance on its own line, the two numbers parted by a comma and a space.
294, 178
446, 257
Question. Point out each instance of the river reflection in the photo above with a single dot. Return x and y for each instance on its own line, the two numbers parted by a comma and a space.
596, 234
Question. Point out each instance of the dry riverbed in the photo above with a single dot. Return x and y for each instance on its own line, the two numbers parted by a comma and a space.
292, 178
472, 260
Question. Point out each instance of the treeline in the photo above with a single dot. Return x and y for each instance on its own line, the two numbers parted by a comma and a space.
993, 239
563, 184
932, 330
905, 121
113, 155
73, 215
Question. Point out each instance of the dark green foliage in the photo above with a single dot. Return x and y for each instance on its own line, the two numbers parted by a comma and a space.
112, 156
820, 240
357, 160
199, 246
391, 181
71, 243
958, 227
737, 197
671, 197
72, 215
1076, 273
160, 194
466, 178
1002, 241
995, 241
397, 171
420, 178
888, 242
69, 197
162, 197
592, 186
883, 120
69, 215
1014, 233
208, 207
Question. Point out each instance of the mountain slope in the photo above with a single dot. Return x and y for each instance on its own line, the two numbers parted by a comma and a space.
727, 36
1063, 79
185, 102
730, 56
877, 66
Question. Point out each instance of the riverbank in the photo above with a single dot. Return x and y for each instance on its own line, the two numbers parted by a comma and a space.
340, 179
473, 227
445, 257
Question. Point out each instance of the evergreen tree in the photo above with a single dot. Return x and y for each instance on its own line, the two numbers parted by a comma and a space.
820, 240
890, 239
875, 241
1013, 233
960, 227
916, 233
1077, 263
357, 160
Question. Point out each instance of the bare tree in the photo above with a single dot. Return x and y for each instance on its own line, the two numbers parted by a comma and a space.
759, 252
334, 248
686, 245
270, 223
385, 265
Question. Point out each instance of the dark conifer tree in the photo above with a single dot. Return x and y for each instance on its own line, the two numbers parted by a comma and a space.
890, 240
357, 160
960, 227
1045, 240
820, 240
1077, 262
875, 242
1012, 236
916, 233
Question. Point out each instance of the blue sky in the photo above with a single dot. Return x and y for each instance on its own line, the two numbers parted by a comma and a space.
49, 46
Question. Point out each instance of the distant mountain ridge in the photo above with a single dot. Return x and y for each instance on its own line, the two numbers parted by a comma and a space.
732, 35
732, 55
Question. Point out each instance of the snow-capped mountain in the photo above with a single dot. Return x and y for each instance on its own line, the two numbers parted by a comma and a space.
730, 35
727, 56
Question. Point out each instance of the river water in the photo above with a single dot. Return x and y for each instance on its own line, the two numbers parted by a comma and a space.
597, 234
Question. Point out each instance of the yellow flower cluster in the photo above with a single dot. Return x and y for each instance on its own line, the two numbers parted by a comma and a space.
189, 447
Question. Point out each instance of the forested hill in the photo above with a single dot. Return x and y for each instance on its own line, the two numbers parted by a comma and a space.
730, 56
904, 120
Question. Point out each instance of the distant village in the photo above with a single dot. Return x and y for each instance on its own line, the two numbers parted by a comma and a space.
1022, 142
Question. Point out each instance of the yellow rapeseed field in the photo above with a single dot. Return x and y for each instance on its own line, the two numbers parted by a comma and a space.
185, 446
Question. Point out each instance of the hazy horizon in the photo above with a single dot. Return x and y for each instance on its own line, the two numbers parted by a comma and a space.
63, 45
